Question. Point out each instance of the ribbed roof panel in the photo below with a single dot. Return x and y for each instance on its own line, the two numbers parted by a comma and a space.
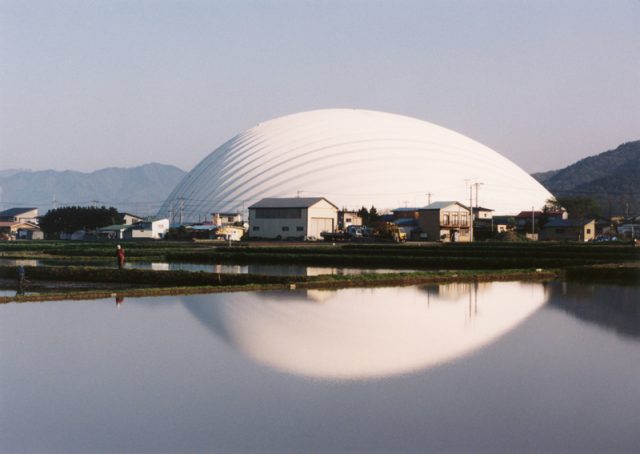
353, 158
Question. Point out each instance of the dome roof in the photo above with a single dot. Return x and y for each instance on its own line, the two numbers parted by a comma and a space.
353, 158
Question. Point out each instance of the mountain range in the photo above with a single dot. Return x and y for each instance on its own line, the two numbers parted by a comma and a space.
138, 190
611, 178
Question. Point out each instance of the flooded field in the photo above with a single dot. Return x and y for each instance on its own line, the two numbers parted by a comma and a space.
493, 367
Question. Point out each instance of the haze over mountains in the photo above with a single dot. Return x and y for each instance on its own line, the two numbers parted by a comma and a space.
612, 178
139, 190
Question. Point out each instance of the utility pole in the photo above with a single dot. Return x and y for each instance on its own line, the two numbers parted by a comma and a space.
471, 213
428, 198
533, 220
476, 185
181, 209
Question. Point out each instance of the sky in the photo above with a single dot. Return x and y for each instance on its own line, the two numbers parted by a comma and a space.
90, 84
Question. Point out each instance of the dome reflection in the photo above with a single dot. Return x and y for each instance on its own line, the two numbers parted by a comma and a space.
366, 333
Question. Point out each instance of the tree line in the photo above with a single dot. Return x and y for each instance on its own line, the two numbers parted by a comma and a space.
74, 218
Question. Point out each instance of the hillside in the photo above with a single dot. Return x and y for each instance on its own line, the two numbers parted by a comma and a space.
139, 190
612, 178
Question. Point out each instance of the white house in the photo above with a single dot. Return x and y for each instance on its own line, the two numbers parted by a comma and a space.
130, 219
301, 218
152, 228
226, 218
480, 213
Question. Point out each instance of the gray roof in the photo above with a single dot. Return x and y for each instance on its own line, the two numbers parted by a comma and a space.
568, 223
405, 209
15, 211
441, 205
292, 202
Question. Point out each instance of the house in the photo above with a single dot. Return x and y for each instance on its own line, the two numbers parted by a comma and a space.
569, 230
407, 221
445, 221
227, 219
480, 213
216, 232
229, 233
151, 228
14, 230
300, 218
503, 223
130, 219
528, 221
20, 215
629, 230
406, 213
113, 232
347, 218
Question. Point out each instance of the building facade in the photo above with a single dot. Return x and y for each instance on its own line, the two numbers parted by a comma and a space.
292, 218
569, 230
445, 221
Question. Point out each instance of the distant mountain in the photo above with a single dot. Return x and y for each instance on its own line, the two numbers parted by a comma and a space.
611, 178
138, 190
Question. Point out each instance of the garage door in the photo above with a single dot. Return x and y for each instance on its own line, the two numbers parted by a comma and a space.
319, 225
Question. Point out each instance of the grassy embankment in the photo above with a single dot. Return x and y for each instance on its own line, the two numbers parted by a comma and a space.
434, 263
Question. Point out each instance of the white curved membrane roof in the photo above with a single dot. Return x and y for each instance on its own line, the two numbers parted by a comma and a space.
353, 158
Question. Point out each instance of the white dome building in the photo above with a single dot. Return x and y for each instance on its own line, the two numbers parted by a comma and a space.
353, 158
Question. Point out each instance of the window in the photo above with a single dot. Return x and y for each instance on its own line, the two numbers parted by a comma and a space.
588, 231
445, 218
464, 219
454, 219
300, 229
347, 220
278, 213
285, 228
230, 219
256, 228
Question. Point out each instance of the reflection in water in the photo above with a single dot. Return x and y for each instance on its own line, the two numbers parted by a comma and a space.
119, 301
611, 307
18, 262
269, 269
366, 333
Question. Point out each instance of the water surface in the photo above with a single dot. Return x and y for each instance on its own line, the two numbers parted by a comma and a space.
500, 367
263, 269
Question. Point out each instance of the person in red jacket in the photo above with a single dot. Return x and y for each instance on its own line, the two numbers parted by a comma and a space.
120, 256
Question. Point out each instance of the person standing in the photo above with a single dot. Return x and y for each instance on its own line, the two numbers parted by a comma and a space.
120, 255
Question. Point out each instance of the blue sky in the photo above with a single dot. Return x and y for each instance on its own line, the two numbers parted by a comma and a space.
92, 84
